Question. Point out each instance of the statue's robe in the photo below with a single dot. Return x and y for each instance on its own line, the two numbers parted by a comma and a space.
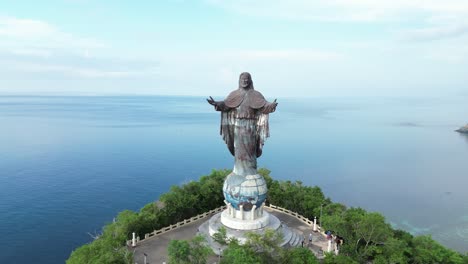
244, 128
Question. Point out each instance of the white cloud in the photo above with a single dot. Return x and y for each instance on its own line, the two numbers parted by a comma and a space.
66, 67
435, 32
344, 10
255, 56
25, 28
29, 34
80, 71
29, 48
288, 54
44, 53
453, 53
413, 20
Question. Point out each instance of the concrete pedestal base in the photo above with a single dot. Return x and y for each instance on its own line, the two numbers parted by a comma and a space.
239, 224
267, 221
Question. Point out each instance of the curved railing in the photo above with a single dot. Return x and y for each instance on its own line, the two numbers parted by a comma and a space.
303, 219
166, 229
177, 225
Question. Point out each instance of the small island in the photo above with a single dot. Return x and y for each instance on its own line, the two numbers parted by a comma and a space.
463, 129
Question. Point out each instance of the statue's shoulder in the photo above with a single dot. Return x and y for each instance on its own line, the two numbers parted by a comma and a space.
235, 98
256, 99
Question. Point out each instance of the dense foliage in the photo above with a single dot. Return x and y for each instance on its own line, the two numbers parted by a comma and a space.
180, 203
368, 238
263, 249
188, 252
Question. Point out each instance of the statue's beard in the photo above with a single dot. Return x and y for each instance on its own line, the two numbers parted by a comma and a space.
246, 87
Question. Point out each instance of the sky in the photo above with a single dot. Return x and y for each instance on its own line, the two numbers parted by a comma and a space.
292, 48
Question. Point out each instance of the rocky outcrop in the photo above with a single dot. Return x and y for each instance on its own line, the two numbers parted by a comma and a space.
463, 129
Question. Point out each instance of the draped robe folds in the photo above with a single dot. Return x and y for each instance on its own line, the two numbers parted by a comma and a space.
244, 128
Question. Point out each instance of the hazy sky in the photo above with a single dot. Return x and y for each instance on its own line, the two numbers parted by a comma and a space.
294, 48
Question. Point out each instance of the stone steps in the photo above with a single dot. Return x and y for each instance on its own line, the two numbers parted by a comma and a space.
287, 235
292, 238
296, 241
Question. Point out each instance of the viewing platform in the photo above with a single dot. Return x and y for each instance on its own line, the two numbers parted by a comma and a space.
155, 245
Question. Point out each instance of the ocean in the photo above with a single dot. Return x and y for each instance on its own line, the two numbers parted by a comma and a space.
68, 165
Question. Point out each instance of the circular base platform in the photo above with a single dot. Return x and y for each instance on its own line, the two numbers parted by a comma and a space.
209, 228
214, 224
239, 224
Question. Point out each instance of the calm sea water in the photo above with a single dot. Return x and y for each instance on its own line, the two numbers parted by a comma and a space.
68, 165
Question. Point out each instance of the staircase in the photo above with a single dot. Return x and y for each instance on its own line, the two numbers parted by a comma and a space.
291, 237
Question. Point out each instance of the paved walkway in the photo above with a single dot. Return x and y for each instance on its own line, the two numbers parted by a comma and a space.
156, 246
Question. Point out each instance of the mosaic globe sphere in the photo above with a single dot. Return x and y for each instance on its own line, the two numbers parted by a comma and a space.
247, 190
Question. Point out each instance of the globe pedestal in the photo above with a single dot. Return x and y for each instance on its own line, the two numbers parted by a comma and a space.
244, 192
245, 200
254, 219
272, 222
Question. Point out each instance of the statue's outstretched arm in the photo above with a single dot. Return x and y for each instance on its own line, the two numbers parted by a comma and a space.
269, 107
218, 105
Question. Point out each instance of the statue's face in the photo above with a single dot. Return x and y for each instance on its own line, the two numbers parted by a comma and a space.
244, 80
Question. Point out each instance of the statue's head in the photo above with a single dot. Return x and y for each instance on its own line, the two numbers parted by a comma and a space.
245, 81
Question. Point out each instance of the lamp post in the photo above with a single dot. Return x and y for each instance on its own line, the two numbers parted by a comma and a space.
321, 224
133, 240
219, 256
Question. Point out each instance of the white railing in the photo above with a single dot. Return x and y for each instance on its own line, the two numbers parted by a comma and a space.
177, 225
304, 219
301, 218
166, 229
325, 248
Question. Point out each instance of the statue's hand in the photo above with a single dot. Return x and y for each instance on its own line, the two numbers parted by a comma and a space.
270, 107
212, 102
273, 106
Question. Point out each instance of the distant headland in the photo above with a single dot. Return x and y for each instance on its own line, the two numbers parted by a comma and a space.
463, 129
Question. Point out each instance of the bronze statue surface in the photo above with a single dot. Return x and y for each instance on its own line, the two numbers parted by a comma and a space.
244, 128
244, 124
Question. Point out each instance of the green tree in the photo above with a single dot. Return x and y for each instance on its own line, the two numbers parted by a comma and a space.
193, 251
332, 209
199, 251
396, 251
237, 254
266, 245
465, 258
221, 236
179, 252
299, 256
426, 250
362, 231
101, 250
371, 229
296, 197
338, 259
266, 174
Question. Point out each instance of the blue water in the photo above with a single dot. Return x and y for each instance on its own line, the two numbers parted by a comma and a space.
68, 165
